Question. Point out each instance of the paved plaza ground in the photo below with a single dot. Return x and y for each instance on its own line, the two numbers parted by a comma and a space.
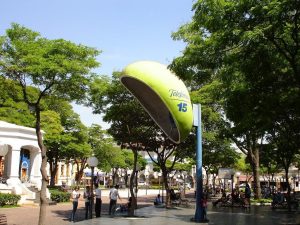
147, 214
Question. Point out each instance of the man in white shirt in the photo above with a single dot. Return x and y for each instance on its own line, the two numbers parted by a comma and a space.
113, 196
75, 197
98, 200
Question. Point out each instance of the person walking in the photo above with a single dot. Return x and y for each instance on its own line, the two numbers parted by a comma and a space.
75, 197
98, 200
87, 198
113, 196
247, 195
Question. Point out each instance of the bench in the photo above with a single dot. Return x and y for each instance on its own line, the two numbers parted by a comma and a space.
3, 220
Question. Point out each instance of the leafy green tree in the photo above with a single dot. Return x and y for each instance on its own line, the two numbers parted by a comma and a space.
54, 67
243, 165
102, 146
217, 150
60, 144
109, 97
57, 117
111, 158
269, 163
249, 48
180, 167
12, 107
286, 148
76, 146
117, 161
51, 125
129, 163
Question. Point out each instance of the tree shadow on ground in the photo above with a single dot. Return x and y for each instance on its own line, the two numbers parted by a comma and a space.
80, 213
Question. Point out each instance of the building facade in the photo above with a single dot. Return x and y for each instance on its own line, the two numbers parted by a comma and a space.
20, 161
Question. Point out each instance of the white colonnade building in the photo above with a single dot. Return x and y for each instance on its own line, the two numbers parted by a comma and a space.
20, 161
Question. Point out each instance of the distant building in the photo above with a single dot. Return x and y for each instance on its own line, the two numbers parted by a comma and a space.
20, 161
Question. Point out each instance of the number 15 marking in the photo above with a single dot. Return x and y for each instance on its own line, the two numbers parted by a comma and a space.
182, 107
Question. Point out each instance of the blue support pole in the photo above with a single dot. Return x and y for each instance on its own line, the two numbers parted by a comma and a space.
199, 189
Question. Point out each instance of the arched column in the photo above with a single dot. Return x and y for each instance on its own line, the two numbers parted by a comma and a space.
13, 164
35, 173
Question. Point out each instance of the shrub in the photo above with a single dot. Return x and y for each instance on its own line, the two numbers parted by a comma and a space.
9, 199
60, 196
261, 201
156, 187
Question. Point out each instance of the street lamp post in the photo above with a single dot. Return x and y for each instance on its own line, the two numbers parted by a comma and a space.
199, 177
238, 179
147, 180
184, 186
136, 182
159, 174
92, 162
128, 188
232, 176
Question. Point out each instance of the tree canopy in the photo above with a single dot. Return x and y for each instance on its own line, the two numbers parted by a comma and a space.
249, 50
57, 67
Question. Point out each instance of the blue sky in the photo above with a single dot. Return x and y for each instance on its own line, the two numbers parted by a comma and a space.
124, 30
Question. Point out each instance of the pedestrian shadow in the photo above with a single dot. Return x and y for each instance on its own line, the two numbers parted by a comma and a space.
66, 214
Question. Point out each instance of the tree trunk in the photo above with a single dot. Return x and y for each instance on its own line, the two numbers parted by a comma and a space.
288, 197
53, 170
167, 188
114, 175
43, 196
52, 183
252, 152
214, 184
131, 185
126, 178
80, 168
256, 173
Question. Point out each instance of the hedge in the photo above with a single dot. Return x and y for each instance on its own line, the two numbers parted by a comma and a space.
60, 196
262, 200
9, 199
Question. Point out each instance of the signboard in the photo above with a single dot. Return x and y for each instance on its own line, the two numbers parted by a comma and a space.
225, 173
162, 95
